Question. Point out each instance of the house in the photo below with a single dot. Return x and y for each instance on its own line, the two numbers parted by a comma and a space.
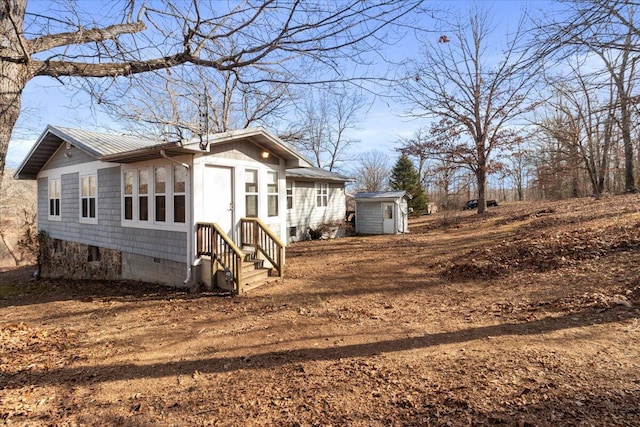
382, 212
314, 197
177, 213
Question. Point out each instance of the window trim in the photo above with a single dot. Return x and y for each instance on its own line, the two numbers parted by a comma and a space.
272, 179
255, 194
58, 216
175, 193
290, 190
322, 194
89, 219
158, 195
169, 223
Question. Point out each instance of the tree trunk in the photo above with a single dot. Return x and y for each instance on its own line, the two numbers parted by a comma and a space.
481, 174
14, 72
625, 127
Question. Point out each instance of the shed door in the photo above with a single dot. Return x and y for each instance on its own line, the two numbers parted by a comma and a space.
218, 197
388, 218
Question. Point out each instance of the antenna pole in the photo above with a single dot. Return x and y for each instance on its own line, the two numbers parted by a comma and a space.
203, 113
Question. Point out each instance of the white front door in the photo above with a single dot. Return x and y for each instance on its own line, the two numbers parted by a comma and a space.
218, 197
388, 218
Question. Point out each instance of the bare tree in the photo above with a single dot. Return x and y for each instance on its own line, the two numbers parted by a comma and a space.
608, 30
587, 106
173, 113
295, 41
478, 91
419, 146
372, 171
325, 118
18, 213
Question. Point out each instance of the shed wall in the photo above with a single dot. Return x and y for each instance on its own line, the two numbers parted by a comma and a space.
368, 217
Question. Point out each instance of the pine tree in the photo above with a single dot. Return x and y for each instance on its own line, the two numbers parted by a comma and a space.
404, 176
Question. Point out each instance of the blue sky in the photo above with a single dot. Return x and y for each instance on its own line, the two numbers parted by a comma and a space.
47, 101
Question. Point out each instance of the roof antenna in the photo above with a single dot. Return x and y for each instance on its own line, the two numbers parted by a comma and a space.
203, 115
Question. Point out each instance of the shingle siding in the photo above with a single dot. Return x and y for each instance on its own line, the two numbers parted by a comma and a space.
108, 232
74, 157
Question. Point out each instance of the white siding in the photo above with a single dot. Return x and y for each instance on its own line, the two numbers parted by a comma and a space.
242, 156
369, 215
306, 214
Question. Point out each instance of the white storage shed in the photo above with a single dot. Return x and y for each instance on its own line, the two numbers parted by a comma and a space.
382, 212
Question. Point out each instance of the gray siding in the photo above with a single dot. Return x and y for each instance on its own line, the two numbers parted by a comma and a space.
75, 157
368, 217
242, 150
108, 233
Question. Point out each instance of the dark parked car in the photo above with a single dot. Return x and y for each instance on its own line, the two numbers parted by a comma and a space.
473, 204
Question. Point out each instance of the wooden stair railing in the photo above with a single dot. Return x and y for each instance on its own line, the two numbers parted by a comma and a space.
212, 241
255, 233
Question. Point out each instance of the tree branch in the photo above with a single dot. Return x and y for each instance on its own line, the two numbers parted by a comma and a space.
44, 43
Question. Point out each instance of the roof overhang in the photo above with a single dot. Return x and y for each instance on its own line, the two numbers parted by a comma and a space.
52, 138
265, 141
151, 153
383, 196
45, 146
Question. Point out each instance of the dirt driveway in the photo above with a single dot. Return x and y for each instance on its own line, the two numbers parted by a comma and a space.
526, 316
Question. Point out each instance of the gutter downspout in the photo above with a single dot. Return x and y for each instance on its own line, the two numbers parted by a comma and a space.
190, 228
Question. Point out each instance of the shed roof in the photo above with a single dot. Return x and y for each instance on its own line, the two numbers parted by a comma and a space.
378, 195
318, 174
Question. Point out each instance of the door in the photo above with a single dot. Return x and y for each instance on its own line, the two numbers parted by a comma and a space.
218, 197
388, 218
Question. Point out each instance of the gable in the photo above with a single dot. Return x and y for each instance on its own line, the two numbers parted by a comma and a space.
67, 156
243, 150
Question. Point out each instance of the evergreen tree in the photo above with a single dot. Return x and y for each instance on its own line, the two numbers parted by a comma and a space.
404, 176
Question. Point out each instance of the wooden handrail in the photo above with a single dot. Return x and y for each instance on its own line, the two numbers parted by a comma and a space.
254, 232
212, 241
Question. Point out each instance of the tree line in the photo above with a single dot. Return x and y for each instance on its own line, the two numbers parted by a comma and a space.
546, 110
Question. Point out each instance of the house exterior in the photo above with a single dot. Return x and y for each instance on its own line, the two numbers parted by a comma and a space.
314, 197
119, 207
383, 212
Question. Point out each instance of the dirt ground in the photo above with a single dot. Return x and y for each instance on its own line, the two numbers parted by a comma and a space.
525, 316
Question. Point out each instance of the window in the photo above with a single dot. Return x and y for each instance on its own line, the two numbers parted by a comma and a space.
322, 194
179, 192
93, 254
289, 195
272, 193
54, 198
388, 211
57, 246
88, 197
160, 189
293, 231
128, 195
143, 195
155, 196
251, 192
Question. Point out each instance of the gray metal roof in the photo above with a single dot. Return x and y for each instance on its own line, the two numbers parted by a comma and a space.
101, 146
381, 195
314, 173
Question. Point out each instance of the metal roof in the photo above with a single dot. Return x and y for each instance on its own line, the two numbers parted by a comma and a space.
317, 174
376, 195
101, 146
130, 149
